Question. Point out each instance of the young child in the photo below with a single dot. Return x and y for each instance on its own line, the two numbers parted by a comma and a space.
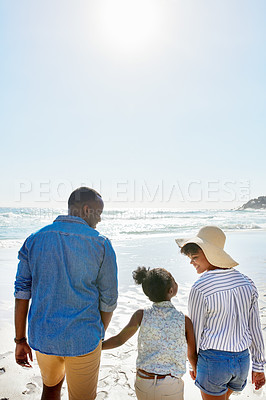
223, 306
165, 338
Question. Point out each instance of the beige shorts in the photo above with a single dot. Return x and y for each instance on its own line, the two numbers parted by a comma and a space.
81, 372
168, 388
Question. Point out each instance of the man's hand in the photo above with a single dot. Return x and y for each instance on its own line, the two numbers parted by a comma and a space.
23, 354
259, 379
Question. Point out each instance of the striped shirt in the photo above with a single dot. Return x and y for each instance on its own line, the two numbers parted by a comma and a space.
223, 307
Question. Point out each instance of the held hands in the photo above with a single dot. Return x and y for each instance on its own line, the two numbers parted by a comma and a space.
23, 354
259, 379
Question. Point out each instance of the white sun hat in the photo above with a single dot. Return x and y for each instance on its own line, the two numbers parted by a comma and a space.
211, 240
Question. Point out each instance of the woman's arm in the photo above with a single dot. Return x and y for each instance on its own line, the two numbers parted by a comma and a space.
191, 345
196, 312
257, 344
129, 330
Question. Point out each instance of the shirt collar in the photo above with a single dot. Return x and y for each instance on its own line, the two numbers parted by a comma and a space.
164, 304
219, 271
70, 218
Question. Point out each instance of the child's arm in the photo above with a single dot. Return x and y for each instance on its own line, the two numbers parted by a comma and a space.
191, 346
129, 330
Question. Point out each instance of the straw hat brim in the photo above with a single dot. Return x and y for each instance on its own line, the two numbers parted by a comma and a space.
215, 255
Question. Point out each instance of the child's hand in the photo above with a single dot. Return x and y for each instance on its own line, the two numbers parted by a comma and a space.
126, 333
192, 374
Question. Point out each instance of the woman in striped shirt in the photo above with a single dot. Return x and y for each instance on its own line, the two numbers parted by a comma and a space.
223, 307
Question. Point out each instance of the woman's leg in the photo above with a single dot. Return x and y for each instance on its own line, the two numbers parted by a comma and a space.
223, 397
229, 392
210, 397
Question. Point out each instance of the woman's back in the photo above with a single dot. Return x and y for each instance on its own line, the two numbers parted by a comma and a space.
222, 311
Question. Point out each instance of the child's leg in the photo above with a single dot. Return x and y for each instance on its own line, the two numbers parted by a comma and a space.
173, 388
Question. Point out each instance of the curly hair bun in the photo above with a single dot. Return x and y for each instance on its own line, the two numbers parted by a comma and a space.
140, 274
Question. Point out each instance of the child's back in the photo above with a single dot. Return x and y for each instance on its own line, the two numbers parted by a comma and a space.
165, 339
162, 345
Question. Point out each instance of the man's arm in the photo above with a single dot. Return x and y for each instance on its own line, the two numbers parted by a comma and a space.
22, 294
23, 351
106, 318
107, 284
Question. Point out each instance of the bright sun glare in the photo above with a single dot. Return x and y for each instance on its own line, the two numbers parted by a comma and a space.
129, 26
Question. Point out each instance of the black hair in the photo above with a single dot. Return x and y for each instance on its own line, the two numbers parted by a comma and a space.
190, 249
82, 196
156, 282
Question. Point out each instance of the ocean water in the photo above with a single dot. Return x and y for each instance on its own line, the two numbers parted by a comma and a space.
127, 224
146, 237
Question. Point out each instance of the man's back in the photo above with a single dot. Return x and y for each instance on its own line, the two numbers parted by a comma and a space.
68, 269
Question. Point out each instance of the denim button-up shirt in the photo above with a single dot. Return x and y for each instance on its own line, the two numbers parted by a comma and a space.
69, 271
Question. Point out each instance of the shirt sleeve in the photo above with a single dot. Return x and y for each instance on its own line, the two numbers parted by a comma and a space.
107, 279
196, 312
257, 345
23, 277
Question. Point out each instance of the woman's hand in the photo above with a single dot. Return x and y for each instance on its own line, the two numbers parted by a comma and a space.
259, 379
192, 374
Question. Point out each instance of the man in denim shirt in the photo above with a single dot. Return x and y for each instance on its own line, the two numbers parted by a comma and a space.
69, 272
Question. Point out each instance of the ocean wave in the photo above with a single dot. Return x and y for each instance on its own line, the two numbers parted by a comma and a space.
242, 226
173, 229
18, 223
144, 213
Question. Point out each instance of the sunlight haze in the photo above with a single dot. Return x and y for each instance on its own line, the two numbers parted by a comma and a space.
156, 103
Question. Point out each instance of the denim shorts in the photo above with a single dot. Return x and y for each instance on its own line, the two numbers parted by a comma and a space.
218, 371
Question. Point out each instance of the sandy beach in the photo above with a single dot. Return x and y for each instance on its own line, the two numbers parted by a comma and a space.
117, 373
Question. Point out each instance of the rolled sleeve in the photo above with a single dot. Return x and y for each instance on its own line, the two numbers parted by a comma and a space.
257, 345
107, 279
23, 278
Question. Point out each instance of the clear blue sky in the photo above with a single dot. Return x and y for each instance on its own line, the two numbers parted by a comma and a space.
155, 103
